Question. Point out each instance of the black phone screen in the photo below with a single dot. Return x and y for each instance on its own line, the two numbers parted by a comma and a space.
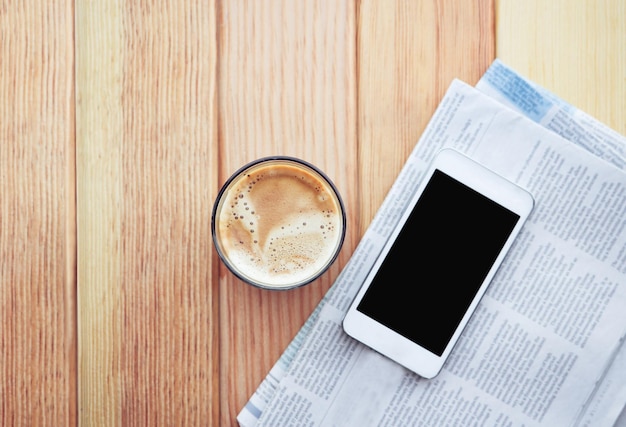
438, 262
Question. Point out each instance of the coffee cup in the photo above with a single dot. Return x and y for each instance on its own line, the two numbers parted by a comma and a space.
278, 223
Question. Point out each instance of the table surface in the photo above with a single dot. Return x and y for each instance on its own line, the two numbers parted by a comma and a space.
120, 120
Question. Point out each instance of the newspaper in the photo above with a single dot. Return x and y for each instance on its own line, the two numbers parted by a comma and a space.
549, 328
535, 102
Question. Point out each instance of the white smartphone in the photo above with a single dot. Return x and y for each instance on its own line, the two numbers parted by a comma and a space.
437, 263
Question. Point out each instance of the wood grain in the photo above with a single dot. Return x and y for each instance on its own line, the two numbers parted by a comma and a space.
146, 174
576, 49
286, 86
409, 53
37, 215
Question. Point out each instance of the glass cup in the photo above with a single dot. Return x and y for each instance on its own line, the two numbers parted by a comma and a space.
278, 223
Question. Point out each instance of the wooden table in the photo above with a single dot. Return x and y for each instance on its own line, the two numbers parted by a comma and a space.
119, 121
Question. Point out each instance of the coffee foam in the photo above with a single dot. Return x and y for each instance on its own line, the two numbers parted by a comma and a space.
279, 224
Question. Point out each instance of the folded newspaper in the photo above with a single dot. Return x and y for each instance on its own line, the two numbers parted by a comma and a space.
545, 346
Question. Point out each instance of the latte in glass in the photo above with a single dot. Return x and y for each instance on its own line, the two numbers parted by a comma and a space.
278, 223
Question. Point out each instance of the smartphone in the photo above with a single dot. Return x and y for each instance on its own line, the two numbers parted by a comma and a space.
437, 264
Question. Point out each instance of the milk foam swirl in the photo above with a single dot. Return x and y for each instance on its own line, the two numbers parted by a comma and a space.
279, 224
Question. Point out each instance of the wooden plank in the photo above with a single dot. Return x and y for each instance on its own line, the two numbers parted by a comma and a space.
287, 82
37, 212
576, 49
409, 52
146, 171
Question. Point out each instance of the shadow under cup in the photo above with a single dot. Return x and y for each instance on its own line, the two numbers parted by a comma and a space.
278, 223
